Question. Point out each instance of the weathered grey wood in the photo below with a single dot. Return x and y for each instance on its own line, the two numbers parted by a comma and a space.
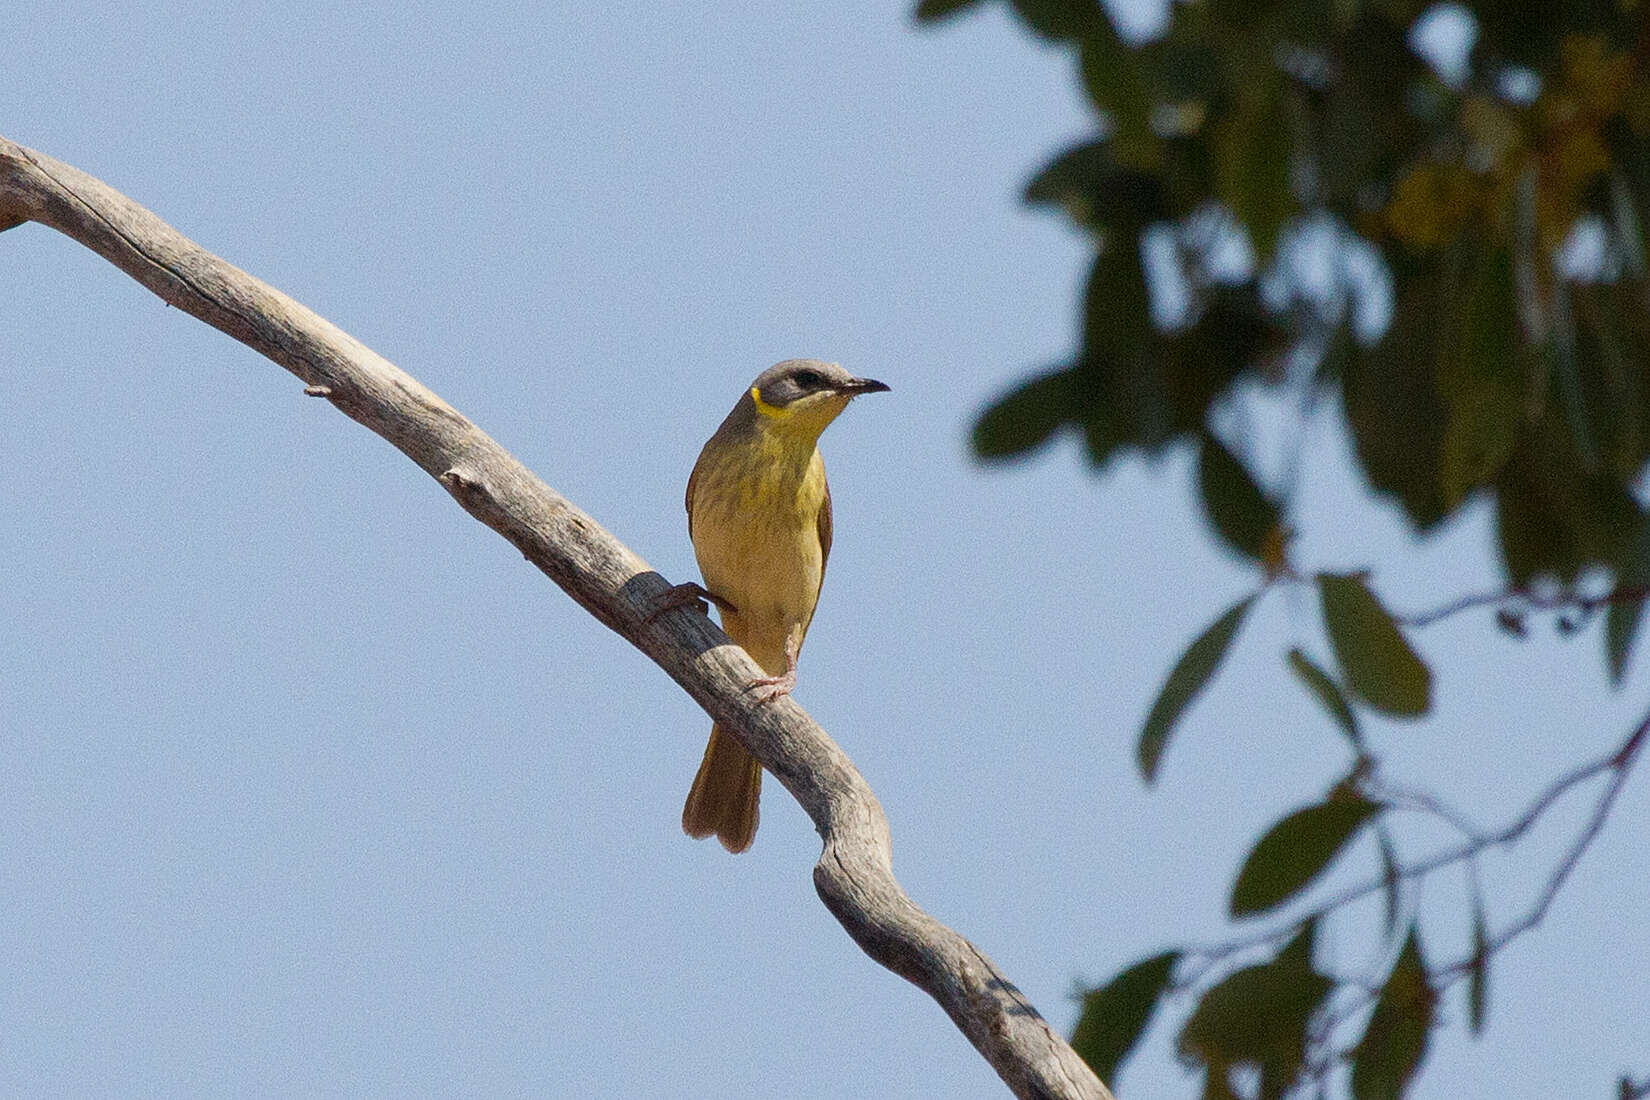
854, 875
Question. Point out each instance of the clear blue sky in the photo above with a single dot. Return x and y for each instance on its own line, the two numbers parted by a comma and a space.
312, 786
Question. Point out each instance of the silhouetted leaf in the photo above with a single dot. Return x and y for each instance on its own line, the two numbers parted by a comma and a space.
1249, 15
1097, 193
1296, 850
1119, 369
1189, 676
1025, 417
1241, 514
1610, 341
1395, 1039
1569, 382
1253, 147
1116, 1015
1258, 1017
1380, 667
1478, 969
1621, 621
1100, 435
1390, 882
1232, 335
1328, 694
1112, 77
1553, 518
1116, 322
1058, 19
931, 10
1481, 377
1393, 407
1078, 172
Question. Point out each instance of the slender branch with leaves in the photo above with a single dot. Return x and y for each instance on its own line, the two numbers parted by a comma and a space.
1310, 1014
1438, 215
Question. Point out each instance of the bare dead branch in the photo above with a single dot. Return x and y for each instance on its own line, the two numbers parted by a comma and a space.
854, 875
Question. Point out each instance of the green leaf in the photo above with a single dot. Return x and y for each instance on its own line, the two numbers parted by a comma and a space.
1025, 417
1393, 406
1112, 76
1390, 881
1117, 320
1381, 668
1097, 193
1297, 849
1241, 514
1120, 373
1567, 375
929, 11
1100, 436
1058, 19
1478, 968
1253, 146
1258, 1016
1621, 622
1115, 1015
1189, 676
1480, 434
1328, 694
1552, 517
1482, 379
1395, 1040
1075, 173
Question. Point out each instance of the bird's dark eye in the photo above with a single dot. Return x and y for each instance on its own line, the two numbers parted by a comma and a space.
807, 379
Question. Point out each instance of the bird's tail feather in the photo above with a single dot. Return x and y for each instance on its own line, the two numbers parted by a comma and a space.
725, 793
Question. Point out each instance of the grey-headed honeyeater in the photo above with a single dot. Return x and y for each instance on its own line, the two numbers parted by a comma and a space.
759, 515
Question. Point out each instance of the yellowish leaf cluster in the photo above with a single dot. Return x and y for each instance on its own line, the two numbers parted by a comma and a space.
1472, 176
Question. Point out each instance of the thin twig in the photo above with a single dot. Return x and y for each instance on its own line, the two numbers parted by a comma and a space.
1405, 798
1619, 761
1619, 764
1527, 601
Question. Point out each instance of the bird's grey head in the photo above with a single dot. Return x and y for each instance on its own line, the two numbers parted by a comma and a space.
794, 379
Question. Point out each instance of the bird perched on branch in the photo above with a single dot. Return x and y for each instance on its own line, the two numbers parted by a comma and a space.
759, 515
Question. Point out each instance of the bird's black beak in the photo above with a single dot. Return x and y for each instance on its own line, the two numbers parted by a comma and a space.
863, 385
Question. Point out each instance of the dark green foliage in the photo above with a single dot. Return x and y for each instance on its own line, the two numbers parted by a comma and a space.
1297, 849
1058, 19
929, 10
1257, 1017
1379, 664
1394, 411
1481, 365
1496, 376
1478, 968
1390, 896
1621, 622
1190, 674
1328, 693
1395, 1039
1024, 418
1115, 1015
1241, 513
